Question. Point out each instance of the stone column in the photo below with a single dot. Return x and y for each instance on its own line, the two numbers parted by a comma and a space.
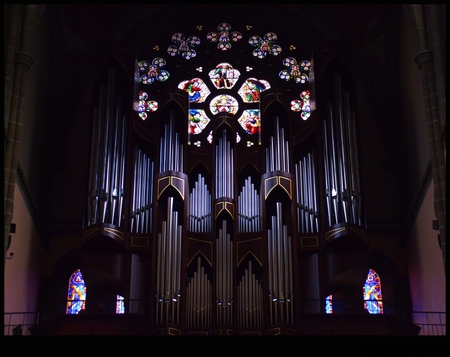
435, 128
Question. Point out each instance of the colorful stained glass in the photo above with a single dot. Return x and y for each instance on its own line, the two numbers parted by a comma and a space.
196, 89
329, 304
120, 305
265, 45
151, 71
76, 295
251, 89
372, 293
302, 105
145, 105
198, 120
224, 76
250, 121
224, 37
295, 71
210, 137
183, 46
224, 104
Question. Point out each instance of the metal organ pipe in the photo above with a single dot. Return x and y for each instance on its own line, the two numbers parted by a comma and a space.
248, 208
170, 150
280, 270
277, 154
224, 276
250, 299
199, 298
200, 207
340, 160
106, 176
142, 192
168, 267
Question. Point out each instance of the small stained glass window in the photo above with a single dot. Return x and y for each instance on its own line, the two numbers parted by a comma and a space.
251, 121
251, 89
196, 89
224, 104
224, 76
198, 120
76, 296
329, 304
373, 301
120, 305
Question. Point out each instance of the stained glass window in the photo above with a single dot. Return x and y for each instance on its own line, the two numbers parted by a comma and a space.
198, 120
265, 45
196, 89
373, 301
120, 306
224, 76
251, 89
224, 104
76, 296
250, 121
329, 304
224, 37
303, 106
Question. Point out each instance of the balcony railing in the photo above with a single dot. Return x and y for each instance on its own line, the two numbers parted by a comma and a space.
431, 323
18, 323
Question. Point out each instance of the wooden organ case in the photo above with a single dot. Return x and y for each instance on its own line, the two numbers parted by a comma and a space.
225, 238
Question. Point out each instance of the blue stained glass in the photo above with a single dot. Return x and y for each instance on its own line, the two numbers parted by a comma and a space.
372, 293
76, 296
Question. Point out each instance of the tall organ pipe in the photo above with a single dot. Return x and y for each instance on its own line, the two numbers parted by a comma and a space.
280, 270
170, 150
168, 284
200, 207
106, 183
342, 186
248, 208
277, 153
224, 276
224, 168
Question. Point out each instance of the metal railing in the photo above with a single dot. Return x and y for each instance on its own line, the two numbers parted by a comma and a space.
18, 323
431, 323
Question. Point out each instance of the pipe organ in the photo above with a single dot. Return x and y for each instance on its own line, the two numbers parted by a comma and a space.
223, 224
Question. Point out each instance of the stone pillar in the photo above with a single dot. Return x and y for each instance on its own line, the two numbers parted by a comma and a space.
425, 61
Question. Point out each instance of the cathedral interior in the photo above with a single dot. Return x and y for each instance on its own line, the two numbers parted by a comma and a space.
225, 169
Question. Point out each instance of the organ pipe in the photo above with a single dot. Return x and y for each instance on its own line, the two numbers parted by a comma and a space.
170, 149
107, 168
306, 194
224, 276
224, 168
142, 192
342, 186
248, 208
199, 292
250, 299
277, 153
168, 285
279, 270
200, 207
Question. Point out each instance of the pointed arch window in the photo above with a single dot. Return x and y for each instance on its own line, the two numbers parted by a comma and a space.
76, 295
373, 301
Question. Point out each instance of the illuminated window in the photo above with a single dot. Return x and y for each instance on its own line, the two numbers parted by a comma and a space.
329, 304
76, 296
120, 306
373, 301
